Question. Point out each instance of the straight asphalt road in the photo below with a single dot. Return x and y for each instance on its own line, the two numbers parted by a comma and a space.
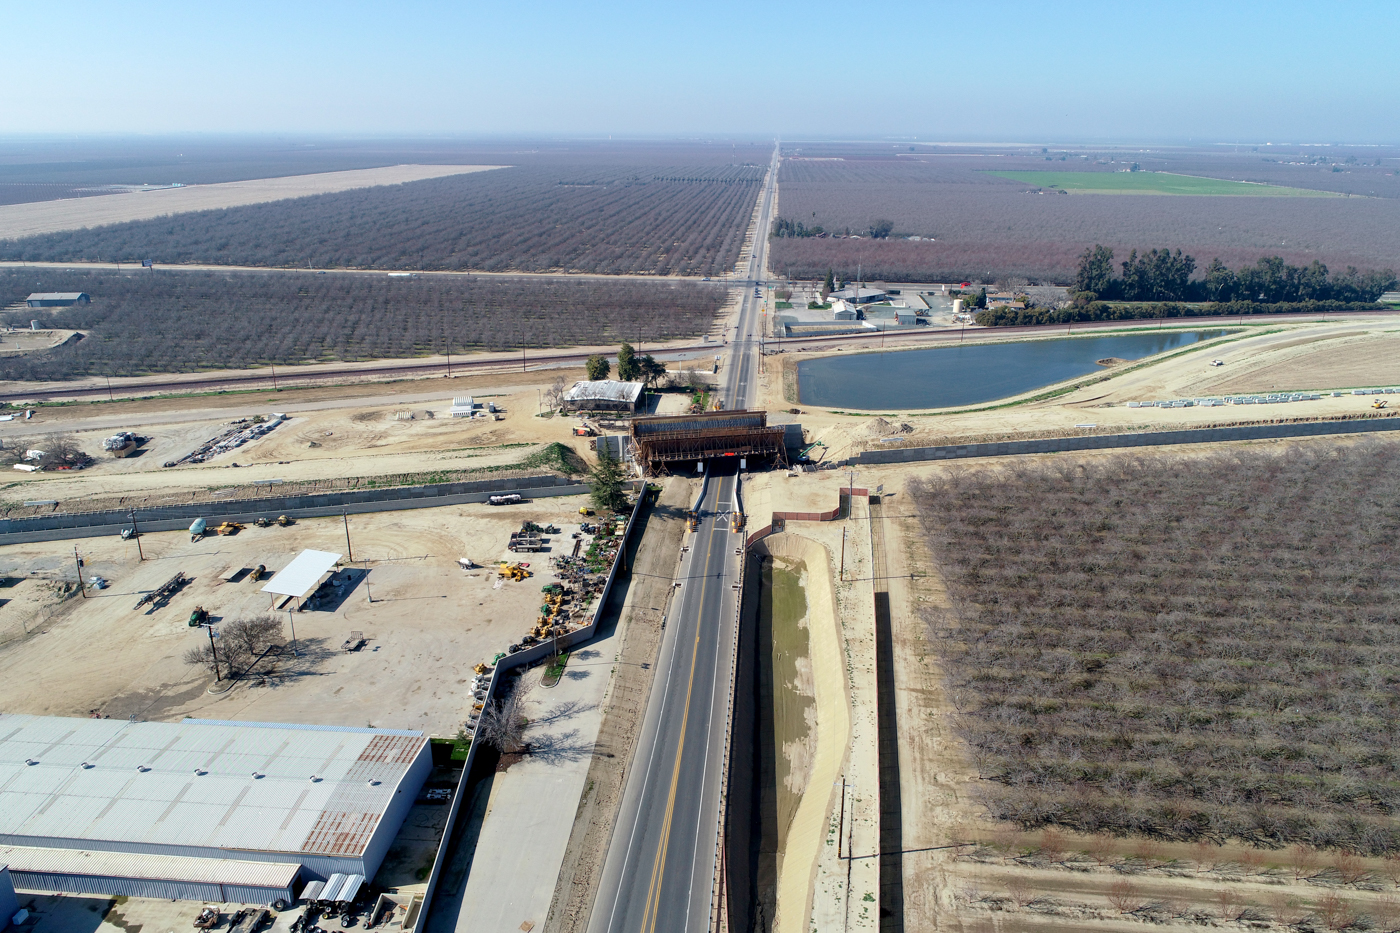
660, 868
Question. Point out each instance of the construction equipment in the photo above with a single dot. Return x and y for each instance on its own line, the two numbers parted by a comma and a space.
516, 572
197, 529
513, 498
284, 521
262, 522
199, 617
584, 429
208, 918
165, 590
585, 510
257, 573
228, 528
355, 642
1378, 403
128, 533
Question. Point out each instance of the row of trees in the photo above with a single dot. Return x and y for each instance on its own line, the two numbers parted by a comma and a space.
1163, 275
179, 321
1055, 312
1186, 648
631, 367
782, 228
527, 218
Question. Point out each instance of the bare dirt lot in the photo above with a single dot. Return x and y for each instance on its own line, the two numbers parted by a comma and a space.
327, 437
19, 342
427, 624
21, 220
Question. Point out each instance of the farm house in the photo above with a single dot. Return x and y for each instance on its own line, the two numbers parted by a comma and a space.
603, 395
201, 809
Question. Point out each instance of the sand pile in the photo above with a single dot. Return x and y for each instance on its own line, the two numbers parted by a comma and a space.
879, 427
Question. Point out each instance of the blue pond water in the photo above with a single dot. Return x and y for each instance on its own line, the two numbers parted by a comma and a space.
944, 377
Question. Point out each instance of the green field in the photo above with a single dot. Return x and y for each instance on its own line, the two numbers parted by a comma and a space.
1156, 183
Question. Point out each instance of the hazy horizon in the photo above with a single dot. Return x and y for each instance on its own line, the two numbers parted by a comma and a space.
1093, 73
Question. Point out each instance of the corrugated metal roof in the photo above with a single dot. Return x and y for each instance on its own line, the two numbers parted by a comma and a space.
303, 574
299, 727
225, 786
55, 296
150, 867
341, 887
609, 390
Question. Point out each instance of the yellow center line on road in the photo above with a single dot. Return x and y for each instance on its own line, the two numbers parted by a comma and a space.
658, 868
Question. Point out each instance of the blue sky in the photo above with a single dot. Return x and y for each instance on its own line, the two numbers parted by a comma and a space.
989, 71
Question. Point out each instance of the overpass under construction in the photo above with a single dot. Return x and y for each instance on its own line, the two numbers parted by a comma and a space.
668, 443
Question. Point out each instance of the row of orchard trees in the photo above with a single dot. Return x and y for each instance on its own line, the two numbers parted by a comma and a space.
1164, 275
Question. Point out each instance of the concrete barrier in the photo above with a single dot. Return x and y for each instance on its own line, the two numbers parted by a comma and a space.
60, 526
1253, 432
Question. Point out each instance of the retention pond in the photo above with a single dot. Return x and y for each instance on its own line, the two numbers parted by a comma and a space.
946, 377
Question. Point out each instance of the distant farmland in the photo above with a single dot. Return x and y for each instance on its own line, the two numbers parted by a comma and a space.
190, 321
975, 224
611, 212
1156, 183
1185, 648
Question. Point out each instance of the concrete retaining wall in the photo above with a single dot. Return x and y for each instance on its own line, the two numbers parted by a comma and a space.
1254, 432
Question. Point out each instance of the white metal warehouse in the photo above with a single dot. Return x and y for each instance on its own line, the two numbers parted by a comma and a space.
201, 809
603, 395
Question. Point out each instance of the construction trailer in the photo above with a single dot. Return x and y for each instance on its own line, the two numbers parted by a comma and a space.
671, 443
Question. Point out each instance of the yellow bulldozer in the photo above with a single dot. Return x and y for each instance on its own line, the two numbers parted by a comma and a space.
228, 528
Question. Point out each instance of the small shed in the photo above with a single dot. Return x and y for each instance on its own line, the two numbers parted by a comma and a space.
463, 407
603, 395
57, 299
303, 575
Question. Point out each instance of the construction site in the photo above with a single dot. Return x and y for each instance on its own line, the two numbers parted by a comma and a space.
421, 619
684, 443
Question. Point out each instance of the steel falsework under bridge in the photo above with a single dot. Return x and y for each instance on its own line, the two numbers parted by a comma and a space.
670, 443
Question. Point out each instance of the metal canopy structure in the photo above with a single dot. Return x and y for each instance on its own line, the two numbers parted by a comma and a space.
660, 443
302, 575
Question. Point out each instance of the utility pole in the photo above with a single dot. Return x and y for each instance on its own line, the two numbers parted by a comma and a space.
842, 831
350, 554
79, 561
522, 359
274, 378
449, 357
136, 533
109, 389
215, 652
